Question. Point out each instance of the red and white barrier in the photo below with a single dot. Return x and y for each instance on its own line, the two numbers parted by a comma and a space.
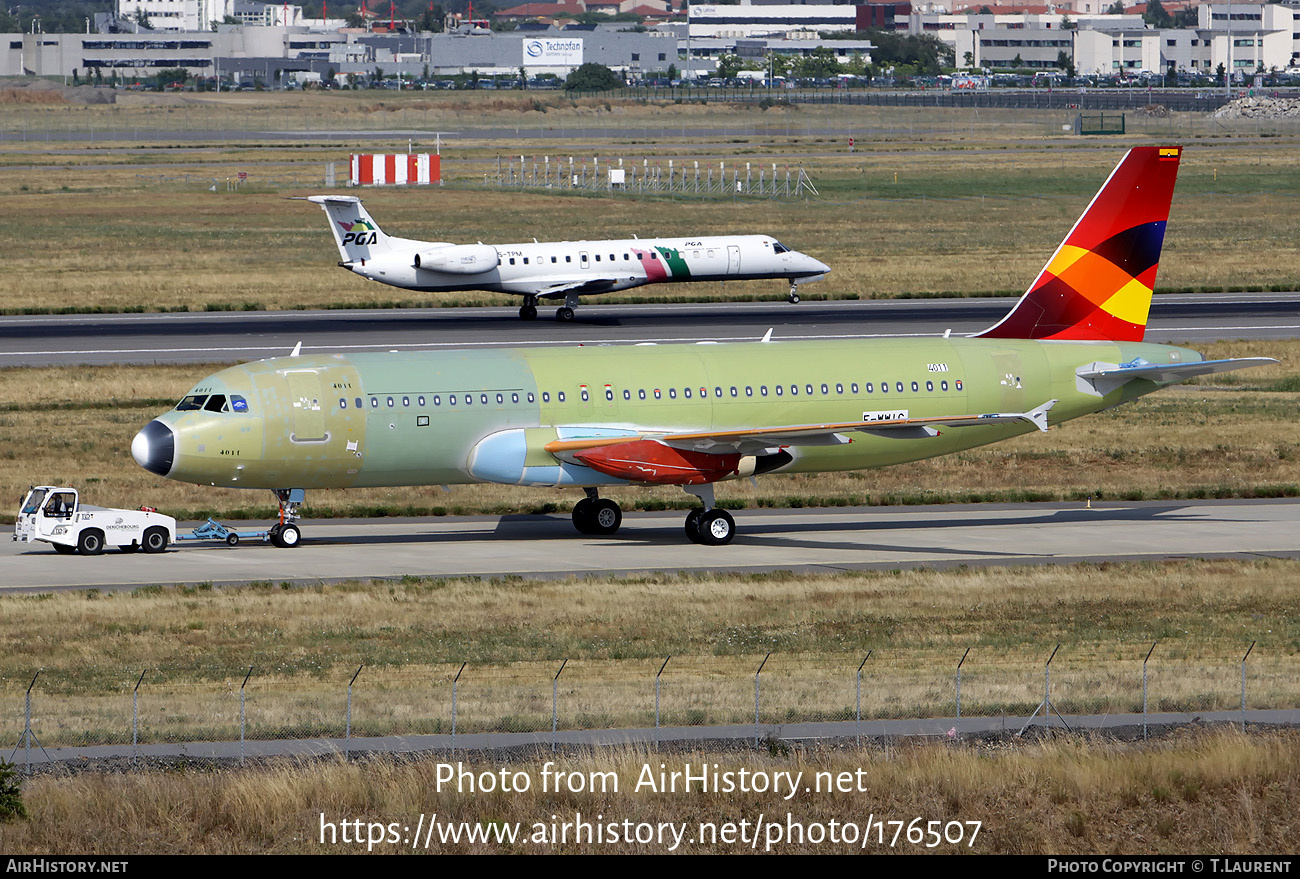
396, 170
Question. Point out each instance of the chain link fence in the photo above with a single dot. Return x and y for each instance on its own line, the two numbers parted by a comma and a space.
56, 708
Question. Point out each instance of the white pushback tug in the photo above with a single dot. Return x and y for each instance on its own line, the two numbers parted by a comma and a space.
56, 515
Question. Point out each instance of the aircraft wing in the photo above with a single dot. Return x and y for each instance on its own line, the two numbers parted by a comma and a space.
554, 289
748, 440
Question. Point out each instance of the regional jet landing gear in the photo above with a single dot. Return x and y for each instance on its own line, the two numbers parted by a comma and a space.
710, 525
596, 515
529, 309
564, 313
793, 298
284, 533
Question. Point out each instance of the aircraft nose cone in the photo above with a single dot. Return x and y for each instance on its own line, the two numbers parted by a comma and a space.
154, 448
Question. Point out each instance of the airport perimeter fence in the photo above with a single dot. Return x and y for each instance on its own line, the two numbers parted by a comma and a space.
98, 706
657, 177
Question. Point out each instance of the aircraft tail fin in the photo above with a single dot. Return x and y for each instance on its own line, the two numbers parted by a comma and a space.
1098, 285
355, 232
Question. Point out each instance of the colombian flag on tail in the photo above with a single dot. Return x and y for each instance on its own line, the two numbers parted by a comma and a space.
1098, 284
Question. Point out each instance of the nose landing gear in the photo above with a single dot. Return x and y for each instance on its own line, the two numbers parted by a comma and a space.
284, 533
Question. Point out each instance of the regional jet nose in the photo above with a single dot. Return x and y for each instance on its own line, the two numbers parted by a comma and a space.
154, 448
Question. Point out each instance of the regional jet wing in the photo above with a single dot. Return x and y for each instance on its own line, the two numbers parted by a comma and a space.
753, 439
554, 289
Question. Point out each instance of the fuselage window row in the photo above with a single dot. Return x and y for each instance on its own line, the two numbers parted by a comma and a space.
641, 394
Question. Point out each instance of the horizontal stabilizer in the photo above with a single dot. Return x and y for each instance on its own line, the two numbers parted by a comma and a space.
1106, 377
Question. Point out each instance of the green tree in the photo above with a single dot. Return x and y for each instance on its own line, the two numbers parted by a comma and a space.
173, 76
728, 65
1156, 16
1116, 8
592, 77
821, 64
1066, 63
11, 793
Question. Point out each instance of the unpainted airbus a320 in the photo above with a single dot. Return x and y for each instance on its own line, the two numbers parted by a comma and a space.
695, 415
556, 269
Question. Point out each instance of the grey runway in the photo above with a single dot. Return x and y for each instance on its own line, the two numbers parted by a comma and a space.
228, 337
808, 540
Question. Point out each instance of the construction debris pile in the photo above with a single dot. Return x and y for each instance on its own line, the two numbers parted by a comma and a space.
1260, 108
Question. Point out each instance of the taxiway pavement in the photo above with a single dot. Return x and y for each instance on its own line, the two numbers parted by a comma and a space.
851, 538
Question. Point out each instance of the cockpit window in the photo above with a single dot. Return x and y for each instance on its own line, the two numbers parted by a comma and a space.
778, 247
193, 401
216, 403
239, 404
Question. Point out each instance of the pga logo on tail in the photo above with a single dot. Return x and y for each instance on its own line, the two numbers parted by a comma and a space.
359, 232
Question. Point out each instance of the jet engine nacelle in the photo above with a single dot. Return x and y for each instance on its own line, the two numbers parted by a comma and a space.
459, 259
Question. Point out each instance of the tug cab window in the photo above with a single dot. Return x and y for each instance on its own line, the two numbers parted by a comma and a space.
34, 502
60, 505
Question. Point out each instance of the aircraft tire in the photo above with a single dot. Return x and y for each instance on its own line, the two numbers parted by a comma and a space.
716, 528
91, 542
604, 517
286, 536
564, 314
693, 525
155, 540
793, 298
583, 519
528, 312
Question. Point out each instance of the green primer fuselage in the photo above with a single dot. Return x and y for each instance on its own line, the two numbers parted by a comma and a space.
475, 415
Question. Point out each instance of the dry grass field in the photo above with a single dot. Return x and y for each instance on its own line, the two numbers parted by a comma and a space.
1207, 793
305, 644
930, 203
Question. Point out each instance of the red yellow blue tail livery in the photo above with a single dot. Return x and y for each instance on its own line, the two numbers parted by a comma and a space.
1098, 284
696, 415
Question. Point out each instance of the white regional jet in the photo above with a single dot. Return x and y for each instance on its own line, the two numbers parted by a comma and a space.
556, 270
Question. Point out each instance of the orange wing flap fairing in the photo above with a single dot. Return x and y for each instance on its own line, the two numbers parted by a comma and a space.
707, 456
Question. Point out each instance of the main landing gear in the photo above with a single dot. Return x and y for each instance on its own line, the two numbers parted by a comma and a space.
709, 526
564, 314
529, 309
284, 533
596, 515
